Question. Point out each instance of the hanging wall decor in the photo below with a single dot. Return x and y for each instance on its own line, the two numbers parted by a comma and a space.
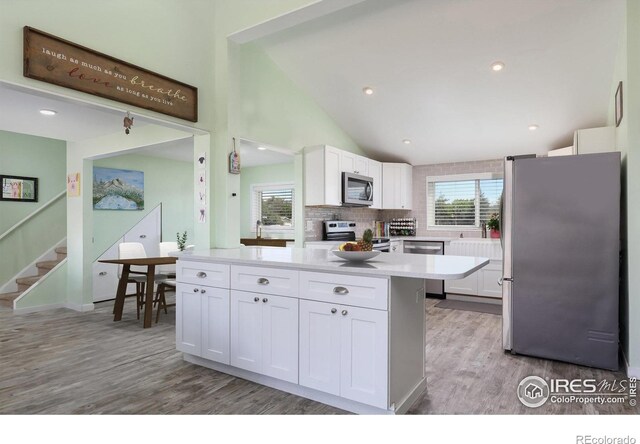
234, 160
73, 185
19, 188
54, 60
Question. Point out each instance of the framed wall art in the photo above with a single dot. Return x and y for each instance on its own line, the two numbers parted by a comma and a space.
19, 188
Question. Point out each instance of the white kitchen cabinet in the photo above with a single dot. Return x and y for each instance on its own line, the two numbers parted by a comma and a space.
594, 140
320, 346
488, 278
483, 282
375, 172
343, 351
264, 334
566, 151
215, 324
363, 355
189, 319
468, 285
323, 168
397, 186
396, 246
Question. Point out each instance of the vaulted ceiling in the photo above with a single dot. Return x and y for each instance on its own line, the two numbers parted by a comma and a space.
429, 65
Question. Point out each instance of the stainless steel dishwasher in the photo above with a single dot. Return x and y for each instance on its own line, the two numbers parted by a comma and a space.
432, 287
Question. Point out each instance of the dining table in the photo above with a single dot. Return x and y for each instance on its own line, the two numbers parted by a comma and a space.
150, 263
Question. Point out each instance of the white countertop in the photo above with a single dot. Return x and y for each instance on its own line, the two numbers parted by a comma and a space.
420, 266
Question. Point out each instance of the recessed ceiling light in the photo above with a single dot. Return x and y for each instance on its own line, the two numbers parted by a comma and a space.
497, 66
48, 112
533, 127
367, 90
261, 148
406, 142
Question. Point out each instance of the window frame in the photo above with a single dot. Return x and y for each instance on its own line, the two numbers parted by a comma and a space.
256, 206
477, 177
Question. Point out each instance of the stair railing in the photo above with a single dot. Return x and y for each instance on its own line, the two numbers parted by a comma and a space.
30, 216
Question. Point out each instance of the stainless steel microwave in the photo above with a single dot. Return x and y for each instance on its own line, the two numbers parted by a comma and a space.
357, 190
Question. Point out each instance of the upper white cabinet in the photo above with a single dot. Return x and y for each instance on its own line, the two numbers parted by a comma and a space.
322, 175
323, 168
375, 172
397, 190
594, 140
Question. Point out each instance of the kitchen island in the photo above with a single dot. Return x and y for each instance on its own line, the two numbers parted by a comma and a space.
347, 334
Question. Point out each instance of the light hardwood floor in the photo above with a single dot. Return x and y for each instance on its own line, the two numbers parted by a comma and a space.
64, 362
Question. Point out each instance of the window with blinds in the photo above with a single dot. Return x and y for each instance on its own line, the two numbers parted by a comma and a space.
273, 206
462, 201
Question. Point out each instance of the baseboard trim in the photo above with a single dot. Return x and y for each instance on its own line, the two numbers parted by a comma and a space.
38, 308
79, 307
305, 392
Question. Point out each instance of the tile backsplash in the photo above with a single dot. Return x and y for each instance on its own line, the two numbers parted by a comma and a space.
365, 217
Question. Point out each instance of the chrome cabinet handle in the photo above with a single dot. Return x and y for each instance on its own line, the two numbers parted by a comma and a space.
344, 312
195, 290
256, 299
333, 311
203, 291
265, 300
500, 282
143, 236
201, 274
263, 281
340, 290
102, 273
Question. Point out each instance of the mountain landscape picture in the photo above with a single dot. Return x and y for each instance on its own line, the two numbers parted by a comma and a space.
115, 189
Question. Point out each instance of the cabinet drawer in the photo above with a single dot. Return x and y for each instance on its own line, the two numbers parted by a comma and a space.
357, 291
203, 273
264, 280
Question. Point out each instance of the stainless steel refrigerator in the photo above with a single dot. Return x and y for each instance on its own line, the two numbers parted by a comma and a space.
561, 241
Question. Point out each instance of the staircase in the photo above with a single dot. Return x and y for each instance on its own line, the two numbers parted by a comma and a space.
44, 267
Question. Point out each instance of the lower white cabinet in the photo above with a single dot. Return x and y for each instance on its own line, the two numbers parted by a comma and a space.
483, 282
264, 334
215, 324
189, 319
343, 351
202, 321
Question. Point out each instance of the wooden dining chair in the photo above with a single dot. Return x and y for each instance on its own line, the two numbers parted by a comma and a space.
137, 275
164, 286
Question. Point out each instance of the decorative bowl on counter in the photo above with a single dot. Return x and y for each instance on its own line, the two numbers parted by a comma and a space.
355, 256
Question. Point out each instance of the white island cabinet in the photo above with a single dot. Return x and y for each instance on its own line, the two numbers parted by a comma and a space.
350, 335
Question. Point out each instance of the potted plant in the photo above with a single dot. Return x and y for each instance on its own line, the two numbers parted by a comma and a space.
493, 224
182, 240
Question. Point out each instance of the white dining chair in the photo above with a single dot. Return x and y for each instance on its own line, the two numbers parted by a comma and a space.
170, 269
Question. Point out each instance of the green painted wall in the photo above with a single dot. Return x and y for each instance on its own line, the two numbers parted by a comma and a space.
31, 156
45, 159
270, 108
267, 174
166, 181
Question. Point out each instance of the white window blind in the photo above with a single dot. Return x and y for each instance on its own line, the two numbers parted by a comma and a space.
462, 201
273, 206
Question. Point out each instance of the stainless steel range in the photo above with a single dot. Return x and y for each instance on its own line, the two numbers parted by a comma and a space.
342, 230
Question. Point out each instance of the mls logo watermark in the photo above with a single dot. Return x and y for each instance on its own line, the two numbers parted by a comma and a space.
534, 391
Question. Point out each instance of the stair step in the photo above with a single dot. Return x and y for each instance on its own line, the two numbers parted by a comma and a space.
61, 250
45, 266
26, 282
6, 299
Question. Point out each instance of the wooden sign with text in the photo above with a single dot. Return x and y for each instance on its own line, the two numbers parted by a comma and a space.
63, 63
